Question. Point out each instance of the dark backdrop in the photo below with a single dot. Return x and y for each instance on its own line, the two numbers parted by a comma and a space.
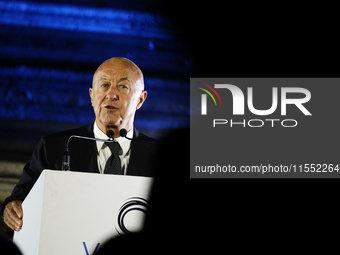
50, 50
46, 71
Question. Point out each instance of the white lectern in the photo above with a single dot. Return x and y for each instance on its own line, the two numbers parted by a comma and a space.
75, 212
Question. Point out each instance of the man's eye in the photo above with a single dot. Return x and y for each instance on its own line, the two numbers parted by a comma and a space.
123, 86
104, 85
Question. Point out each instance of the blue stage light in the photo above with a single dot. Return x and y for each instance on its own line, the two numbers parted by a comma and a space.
86, 19
64, 35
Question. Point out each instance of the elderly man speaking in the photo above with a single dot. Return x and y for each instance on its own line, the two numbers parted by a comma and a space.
117, 92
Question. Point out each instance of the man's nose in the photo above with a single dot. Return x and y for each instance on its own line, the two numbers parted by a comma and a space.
112, 93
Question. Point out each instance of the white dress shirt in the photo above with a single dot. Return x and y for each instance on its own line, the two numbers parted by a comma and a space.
104, 151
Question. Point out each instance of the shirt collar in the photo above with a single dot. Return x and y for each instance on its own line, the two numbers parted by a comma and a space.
123, 142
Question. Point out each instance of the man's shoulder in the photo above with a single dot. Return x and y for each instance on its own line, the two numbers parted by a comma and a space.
143, 139
83, 130
63, 135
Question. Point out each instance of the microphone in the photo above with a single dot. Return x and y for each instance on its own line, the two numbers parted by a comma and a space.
110, 134
123, 133
66, 157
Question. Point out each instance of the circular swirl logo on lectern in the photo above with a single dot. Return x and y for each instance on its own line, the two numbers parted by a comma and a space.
131, 215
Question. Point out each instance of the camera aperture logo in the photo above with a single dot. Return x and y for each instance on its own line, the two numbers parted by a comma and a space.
294, 96
204, 98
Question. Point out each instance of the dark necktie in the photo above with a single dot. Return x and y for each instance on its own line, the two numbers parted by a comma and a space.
113, 165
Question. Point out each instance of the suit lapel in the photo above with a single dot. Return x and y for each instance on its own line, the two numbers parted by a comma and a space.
132, 167
84, 152
142, 157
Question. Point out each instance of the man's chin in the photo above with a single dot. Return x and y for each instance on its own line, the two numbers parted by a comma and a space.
111, 123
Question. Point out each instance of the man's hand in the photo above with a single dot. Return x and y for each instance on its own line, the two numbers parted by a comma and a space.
13, 215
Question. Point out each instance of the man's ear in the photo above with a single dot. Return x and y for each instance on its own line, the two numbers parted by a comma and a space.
91, 95
142, 99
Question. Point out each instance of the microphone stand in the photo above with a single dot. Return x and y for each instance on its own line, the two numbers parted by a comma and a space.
66, 156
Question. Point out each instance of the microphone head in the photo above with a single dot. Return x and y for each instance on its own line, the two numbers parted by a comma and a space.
123, 132
110, 134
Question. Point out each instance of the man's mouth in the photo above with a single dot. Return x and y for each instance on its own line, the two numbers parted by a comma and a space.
110, 107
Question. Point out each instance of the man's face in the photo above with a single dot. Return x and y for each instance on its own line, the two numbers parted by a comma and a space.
116, 93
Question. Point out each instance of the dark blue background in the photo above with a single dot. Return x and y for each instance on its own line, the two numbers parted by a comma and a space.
49, 51
46, 66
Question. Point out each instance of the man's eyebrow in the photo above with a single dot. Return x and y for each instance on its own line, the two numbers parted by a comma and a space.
124, 79
121, 79
103, 78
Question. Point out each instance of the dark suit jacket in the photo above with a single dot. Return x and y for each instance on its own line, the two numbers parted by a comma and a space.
48, 154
